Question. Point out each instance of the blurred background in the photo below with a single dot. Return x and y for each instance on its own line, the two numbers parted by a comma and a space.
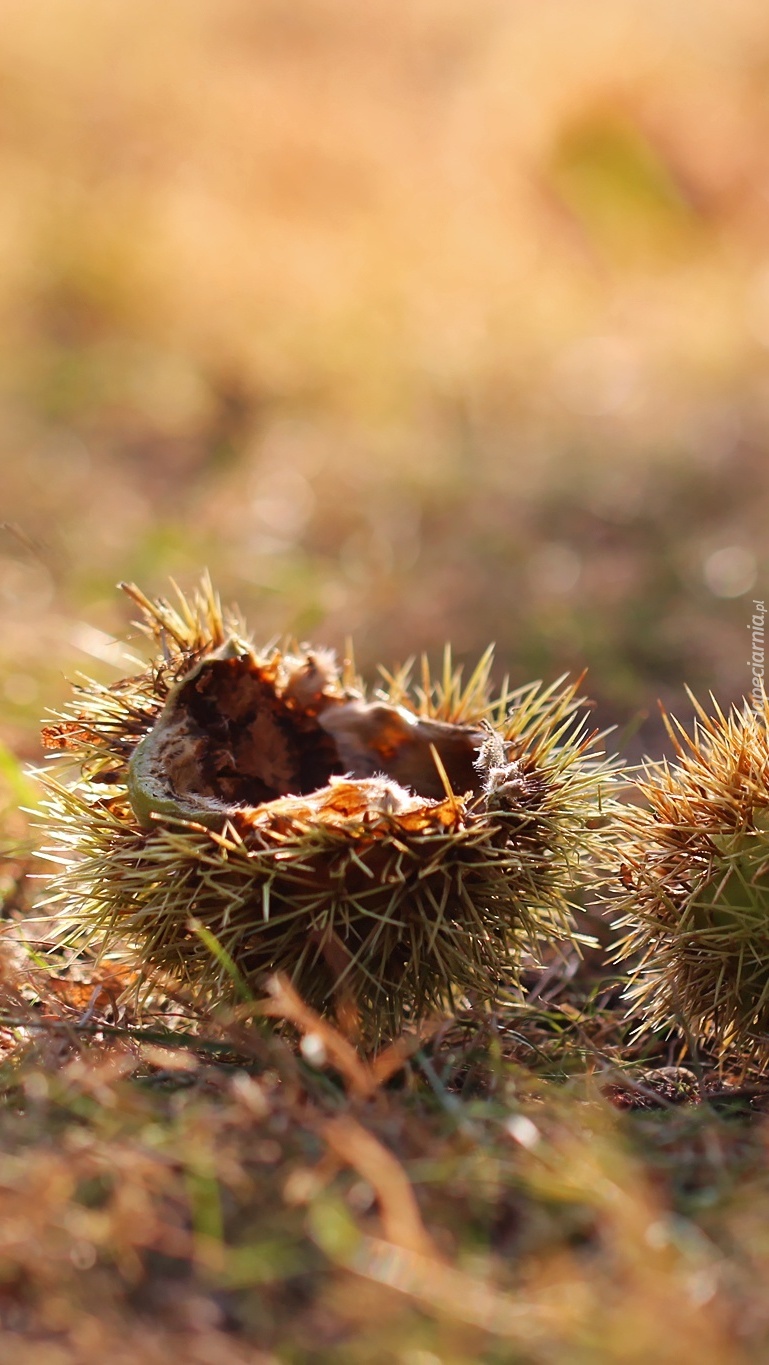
413, 322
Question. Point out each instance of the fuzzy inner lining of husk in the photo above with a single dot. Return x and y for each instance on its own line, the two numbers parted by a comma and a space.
233, 735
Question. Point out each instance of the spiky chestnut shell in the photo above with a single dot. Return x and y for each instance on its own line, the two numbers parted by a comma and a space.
241, 811
693, 865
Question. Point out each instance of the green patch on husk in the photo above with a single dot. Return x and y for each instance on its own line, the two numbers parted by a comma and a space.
694, 868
